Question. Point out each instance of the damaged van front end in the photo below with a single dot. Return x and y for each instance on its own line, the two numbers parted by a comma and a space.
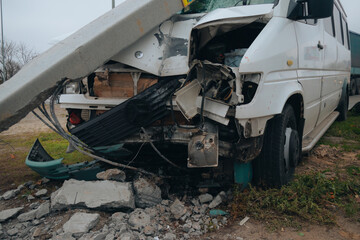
182, 85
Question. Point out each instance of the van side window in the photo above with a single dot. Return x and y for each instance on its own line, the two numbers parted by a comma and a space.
337, 22
346, 34
329, 26
305, 9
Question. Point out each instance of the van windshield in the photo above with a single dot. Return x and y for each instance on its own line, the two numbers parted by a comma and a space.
204, 6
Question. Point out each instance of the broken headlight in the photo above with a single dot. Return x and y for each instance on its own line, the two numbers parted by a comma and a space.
72, 88
250, 85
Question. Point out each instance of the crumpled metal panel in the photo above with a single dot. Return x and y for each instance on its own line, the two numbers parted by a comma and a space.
203, 148
127, 118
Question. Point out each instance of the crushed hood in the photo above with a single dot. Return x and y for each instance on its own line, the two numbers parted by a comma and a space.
165, 50
246, 14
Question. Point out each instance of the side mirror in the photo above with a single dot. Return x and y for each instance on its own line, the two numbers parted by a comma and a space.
310, 9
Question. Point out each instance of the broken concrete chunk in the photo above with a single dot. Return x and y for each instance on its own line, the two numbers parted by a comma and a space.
119, 217
108, 195
9, 213
147, 193
30, 197
169, 236
10, 194
81, 223
28, 216
45, 180
138, 219
43, 210
12, 232
41, 193
205, 198
177, 209
112, 174
110, 236
127, 236
149, 230
64, 236
218, 200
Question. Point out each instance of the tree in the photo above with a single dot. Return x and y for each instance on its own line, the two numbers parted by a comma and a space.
16, 56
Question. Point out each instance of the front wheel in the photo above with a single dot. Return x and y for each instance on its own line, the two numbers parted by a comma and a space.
343, 105
281, 150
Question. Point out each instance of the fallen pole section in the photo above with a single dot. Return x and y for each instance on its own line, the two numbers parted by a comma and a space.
80, 54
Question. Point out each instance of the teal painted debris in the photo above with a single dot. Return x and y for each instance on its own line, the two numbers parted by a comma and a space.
42, 163
218, 212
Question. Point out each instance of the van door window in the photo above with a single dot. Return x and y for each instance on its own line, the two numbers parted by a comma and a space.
337, 21
329, 26
345, 33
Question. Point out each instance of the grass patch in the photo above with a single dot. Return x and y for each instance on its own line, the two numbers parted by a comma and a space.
15, 148
349, 130
311, 198
53, 143
308, 198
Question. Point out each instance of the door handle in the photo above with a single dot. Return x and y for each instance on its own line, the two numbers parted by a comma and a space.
320, 46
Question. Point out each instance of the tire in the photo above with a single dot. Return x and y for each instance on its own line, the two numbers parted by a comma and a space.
352, 87
343, 106
272, 168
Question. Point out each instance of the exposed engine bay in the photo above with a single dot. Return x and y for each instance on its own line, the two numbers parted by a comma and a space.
195, 110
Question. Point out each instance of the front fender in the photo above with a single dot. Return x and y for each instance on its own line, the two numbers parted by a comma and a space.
270, 99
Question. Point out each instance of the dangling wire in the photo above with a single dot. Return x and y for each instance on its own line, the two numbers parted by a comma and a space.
73, 140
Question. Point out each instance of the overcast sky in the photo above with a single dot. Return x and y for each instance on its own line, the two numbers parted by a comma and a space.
37, 23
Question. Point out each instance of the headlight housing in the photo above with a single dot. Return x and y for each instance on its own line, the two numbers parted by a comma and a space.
72, 88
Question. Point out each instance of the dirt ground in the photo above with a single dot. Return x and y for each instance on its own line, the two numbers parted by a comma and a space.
321, 158
31, 124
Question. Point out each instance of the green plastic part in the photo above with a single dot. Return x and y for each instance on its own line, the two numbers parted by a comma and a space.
243, 174
218, 212
42, 163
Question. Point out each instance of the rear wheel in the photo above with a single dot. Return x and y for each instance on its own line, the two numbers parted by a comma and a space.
281, 150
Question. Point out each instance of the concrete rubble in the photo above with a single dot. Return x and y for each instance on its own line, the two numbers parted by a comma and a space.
107, 210
112, 175
9, 213
205, 198
81, 223
41, 193
10, 194
93, 195
147, 193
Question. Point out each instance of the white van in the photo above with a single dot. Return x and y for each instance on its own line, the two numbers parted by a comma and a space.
245, 80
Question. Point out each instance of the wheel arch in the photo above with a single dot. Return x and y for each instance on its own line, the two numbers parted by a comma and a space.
297, 102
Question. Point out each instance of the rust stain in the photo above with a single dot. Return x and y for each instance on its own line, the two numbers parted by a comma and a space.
138, 22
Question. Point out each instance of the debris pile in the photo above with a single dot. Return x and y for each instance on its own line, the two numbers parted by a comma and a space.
109, 209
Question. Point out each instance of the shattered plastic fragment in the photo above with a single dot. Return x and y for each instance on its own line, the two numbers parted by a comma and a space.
217, 212
42, 163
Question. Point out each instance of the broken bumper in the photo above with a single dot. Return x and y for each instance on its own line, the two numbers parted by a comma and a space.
42, 163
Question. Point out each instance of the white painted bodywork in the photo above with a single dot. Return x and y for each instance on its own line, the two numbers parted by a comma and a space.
155, 50
285, 54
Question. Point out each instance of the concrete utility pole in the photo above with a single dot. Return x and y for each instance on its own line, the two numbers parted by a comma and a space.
2, 45
113, 3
